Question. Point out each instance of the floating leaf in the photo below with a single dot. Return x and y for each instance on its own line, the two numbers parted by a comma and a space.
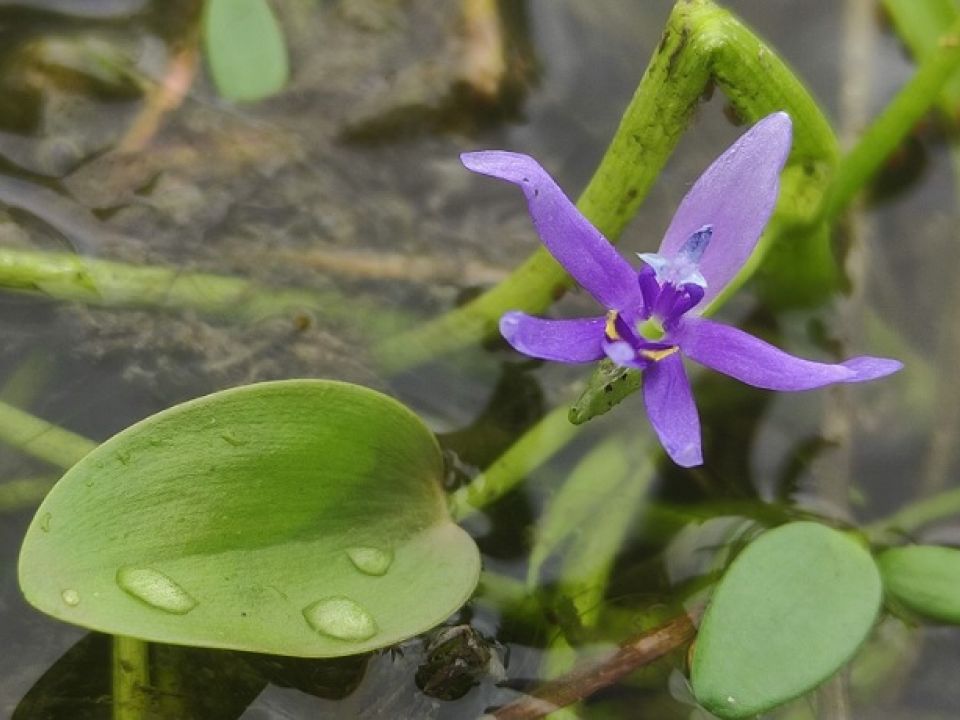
924, 578
301, 518
245, 49
790, 611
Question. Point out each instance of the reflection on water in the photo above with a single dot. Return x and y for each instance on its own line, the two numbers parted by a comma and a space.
348, 186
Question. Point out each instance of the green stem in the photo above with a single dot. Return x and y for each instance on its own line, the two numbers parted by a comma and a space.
535, 447
41, 439
916, 516
131, 678
23, 493
701, 44
886, 132
106, 283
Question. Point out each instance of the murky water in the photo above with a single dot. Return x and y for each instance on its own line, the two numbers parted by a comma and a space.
348, 184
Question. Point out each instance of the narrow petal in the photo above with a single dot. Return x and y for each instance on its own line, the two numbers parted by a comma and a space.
735, 197
672, 411
571, 239
755, 362
567, 341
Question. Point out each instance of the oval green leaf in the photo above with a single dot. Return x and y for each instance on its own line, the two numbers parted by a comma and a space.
302, 517
788, 613
245, 49
924, 578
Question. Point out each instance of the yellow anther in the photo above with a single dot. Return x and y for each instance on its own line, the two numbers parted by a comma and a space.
658, 355
611, 328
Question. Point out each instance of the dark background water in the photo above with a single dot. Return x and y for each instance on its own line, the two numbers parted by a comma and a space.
343, 162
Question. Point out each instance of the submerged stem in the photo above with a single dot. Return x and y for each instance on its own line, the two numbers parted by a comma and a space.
916, 515
107, 283
41, 439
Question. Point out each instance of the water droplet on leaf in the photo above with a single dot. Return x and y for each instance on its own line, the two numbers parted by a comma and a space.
155, 589
341, 618
71, 597
370, 560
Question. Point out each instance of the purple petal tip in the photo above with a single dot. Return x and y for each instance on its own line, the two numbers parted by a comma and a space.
509, 322
499, 163
871, 368
687, 456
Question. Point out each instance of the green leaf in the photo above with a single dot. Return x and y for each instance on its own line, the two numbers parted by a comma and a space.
924, 578
791, 610
302, 518
606, 388
245, 49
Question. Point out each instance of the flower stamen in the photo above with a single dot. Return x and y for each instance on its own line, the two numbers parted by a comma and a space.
658, 355
610, 330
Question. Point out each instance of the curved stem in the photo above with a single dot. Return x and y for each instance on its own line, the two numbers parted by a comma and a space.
702, 44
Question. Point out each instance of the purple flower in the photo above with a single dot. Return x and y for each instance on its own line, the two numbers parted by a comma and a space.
653, 316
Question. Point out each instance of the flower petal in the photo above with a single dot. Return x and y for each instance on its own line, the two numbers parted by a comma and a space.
735, 197
571, 239
672, 411
567, 341
755, 362
622, 353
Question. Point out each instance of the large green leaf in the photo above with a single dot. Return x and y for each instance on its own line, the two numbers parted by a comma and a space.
925, 578
301, 518
791, 610
245, 49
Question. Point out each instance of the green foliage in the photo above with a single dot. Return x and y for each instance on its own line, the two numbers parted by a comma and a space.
791, 610
245, 49
609, 385
588, 518
924, 578
302, 518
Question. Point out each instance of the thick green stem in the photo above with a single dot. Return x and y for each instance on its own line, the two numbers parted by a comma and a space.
41, 439
701, 44
131, 678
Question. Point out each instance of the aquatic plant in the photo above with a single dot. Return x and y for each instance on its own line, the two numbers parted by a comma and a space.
653, 316
303, 520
